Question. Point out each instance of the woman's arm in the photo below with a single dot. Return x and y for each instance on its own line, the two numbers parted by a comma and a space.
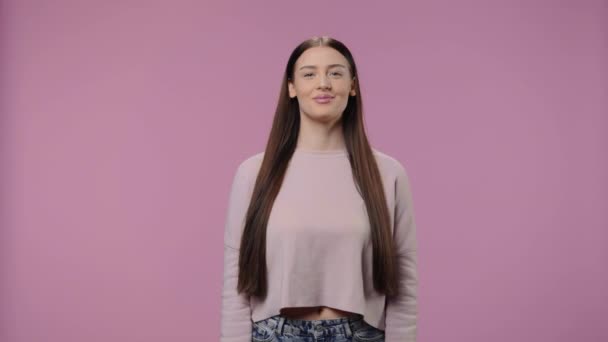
402, 311
236, 323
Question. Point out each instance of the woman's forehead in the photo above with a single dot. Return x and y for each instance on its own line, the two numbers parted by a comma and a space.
321, 57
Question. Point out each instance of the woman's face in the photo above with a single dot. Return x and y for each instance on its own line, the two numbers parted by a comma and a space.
322, 71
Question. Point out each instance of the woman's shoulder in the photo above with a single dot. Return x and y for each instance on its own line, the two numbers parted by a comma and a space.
250, 164
388, 162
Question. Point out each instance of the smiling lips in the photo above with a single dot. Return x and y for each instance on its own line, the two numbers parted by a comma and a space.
323, 98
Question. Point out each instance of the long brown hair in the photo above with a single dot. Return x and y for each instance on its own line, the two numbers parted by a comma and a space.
281, 144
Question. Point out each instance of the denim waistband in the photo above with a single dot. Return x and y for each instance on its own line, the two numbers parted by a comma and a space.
321, 327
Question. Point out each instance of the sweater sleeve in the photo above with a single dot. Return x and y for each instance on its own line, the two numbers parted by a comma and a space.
236, 322
402, 311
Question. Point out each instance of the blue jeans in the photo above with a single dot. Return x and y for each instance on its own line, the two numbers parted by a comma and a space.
345, 329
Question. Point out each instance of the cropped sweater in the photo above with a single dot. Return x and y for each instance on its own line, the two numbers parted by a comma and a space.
318, 245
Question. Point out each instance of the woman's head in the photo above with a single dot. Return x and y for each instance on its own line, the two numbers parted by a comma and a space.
321, 67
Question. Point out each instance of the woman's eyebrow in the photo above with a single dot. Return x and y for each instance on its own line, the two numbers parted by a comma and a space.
329, 66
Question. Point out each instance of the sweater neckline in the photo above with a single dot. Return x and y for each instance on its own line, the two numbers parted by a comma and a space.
321, 153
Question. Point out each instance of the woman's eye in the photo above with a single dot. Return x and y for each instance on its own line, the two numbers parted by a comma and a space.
333, 73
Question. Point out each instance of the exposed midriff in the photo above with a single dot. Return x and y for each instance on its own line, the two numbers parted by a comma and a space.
314, 313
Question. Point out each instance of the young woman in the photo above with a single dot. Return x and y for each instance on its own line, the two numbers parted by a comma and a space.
320, 237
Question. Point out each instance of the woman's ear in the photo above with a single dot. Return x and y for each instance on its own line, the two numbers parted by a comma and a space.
291, 89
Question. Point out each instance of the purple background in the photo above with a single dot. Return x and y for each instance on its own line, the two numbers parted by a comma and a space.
123, 122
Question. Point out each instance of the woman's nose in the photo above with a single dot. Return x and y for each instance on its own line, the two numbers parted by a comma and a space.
324, 82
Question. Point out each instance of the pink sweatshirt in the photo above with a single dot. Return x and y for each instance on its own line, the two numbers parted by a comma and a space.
318, 248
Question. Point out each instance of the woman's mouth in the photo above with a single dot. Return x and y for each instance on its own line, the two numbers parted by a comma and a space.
323, 99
